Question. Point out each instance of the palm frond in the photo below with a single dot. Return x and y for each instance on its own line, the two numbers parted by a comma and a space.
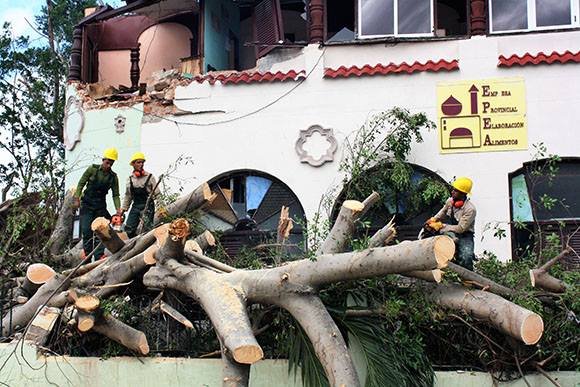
301, 356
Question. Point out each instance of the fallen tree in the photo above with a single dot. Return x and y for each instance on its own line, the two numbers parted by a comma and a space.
167, 260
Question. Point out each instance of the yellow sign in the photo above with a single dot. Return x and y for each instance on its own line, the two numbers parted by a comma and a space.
482, 116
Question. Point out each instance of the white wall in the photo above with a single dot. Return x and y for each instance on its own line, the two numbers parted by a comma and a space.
265, 140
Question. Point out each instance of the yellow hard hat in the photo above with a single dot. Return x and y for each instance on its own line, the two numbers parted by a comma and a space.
137, 156
111, 154
463, 184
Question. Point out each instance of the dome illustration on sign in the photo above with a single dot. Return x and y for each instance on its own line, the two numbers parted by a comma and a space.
451, 106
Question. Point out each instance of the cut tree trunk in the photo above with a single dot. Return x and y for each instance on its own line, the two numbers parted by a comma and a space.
234, 374
20, 315
37, 274
62, 232
122, 333
205, 240
511, 319
384, 236
42, 325
109, 237
542, 278
199, 197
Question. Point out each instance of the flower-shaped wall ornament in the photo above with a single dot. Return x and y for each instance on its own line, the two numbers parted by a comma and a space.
120, 124
316, 145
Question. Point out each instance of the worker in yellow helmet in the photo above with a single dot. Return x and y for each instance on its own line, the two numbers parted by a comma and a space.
99, 179
457, 219
141, 191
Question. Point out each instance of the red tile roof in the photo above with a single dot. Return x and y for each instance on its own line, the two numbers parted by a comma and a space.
237, 77
529, 59
391, 68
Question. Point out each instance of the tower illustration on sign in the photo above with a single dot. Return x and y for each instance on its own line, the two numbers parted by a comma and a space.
461, 131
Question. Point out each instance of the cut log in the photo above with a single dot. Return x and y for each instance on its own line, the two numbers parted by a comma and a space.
542, 278
87, 303
385, 235
87, 307
42, 325
192, 201
21, 315
37, 274
122, 333
192, 245
345, 224
483, 282
108, 236
62, 232
205, 240
507, 317
172, 242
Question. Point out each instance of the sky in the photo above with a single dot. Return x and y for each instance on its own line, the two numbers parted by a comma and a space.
17, 12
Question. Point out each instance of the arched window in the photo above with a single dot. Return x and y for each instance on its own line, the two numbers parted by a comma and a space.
247, 209
409, 192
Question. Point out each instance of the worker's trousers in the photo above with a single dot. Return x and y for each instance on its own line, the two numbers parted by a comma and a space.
132, 223
90, 241
464, 248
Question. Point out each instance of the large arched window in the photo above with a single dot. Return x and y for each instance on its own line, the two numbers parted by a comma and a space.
409, 192
247, 210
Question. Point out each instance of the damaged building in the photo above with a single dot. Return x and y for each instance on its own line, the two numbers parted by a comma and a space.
262, 96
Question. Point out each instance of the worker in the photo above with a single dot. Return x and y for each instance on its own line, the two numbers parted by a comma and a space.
140, 186
99, 179
456, 219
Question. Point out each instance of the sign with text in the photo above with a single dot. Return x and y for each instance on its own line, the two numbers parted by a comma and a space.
482, 115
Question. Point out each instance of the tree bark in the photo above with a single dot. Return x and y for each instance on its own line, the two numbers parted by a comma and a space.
234, 374
20, 315
477, 279
509, 318
541, 276
122, 333
384, 236
109, 237
205, 240
62, 232
194, 200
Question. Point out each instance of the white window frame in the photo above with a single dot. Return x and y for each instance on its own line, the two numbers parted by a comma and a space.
531, 14
395, 23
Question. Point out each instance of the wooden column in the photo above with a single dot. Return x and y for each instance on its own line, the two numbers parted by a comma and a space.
316, 27
135, 71
74, 71
478, 17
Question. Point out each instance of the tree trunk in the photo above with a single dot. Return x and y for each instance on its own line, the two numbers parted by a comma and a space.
37, 274
192, 201
20, 315
384, 236
234, 374
509, 318
108, 236
541, 276
343, 228
122, 333
205, 240
62, 232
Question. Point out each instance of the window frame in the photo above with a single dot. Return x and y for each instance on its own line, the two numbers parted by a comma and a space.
358, 34
531, 19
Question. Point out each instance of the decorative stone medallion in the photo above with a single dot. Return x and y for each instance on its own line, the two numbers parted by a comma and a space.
73, 123
120, 123
316, 145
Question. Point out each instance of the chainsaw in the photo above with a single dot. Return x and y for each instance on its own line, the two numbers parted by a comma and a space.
117, 223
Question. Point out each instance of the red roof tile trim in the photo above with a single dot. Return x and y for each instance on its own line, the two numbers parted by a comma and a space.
237, 77
391, 68
539, 58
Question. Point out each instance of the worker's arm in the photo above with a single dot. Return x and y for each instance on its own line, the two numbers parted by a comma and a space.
83, 181
128, 198
115, 189
443, 211
464, 223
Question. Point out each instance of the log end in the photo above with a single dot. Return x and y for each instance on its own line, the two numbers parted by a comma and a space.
179, 229
85, 324
248, 354
353, 205
143, 346
209, 238
39, 273
437, 275
87, 303
160, 233
101, 226
444, 250
149, 255
532, 329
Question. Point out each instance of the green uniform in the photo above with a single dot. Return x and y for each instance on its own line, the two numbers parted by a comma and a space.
93, 202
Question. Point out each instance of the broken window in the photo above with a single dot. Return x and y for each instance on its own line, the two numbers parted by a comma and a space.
528, 15
247, 208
